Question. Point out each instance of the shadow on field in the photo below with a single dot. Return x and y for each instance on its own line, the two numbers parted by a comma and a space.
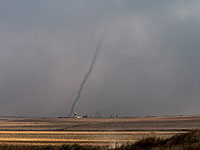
185, 141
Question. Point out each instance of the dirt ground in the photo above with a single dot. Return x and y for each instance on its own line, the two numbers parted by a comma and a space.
91, 131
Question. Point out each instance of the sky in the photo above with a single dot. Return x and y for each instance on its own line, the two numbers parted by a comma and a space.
148, 64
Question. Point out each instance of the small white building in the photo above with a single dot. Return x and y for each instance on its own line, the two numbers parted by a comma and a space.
76, 116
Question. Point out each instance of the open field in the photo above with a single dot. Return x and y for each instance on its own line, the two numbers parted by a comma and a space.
91, 131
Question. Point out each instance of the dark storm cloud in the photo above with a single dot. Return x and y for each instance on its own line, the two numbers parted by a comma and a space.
149, 64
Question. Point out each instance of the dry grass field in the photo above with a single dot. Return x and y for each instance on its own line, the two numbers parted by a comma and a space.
91, 131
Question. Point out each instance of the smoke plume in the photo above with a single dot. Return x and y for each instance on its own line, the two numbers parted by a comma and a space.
88, 73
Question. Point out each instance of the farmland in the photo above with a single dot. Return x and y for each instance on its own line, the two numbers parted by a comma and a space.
91, 131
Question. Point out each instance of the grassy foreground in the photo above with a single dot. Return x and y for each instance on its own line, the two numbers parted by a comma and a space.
185, 141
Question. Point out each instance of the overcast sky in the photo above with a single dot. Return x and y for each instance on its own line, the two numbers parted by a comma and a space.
149, 63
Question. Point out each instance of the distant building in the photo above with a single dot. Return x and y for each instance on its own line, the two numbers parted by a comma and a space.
76, 116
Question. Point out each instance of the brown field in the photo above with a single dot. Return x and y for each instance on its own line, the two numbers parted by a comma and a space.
91, 131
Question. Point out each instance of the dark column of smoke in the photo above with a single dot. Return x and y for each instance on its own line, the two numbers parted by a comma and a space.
98, 48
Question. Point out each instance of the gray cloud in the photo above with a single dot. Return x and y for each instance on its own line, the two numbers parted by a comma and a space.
149, 63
